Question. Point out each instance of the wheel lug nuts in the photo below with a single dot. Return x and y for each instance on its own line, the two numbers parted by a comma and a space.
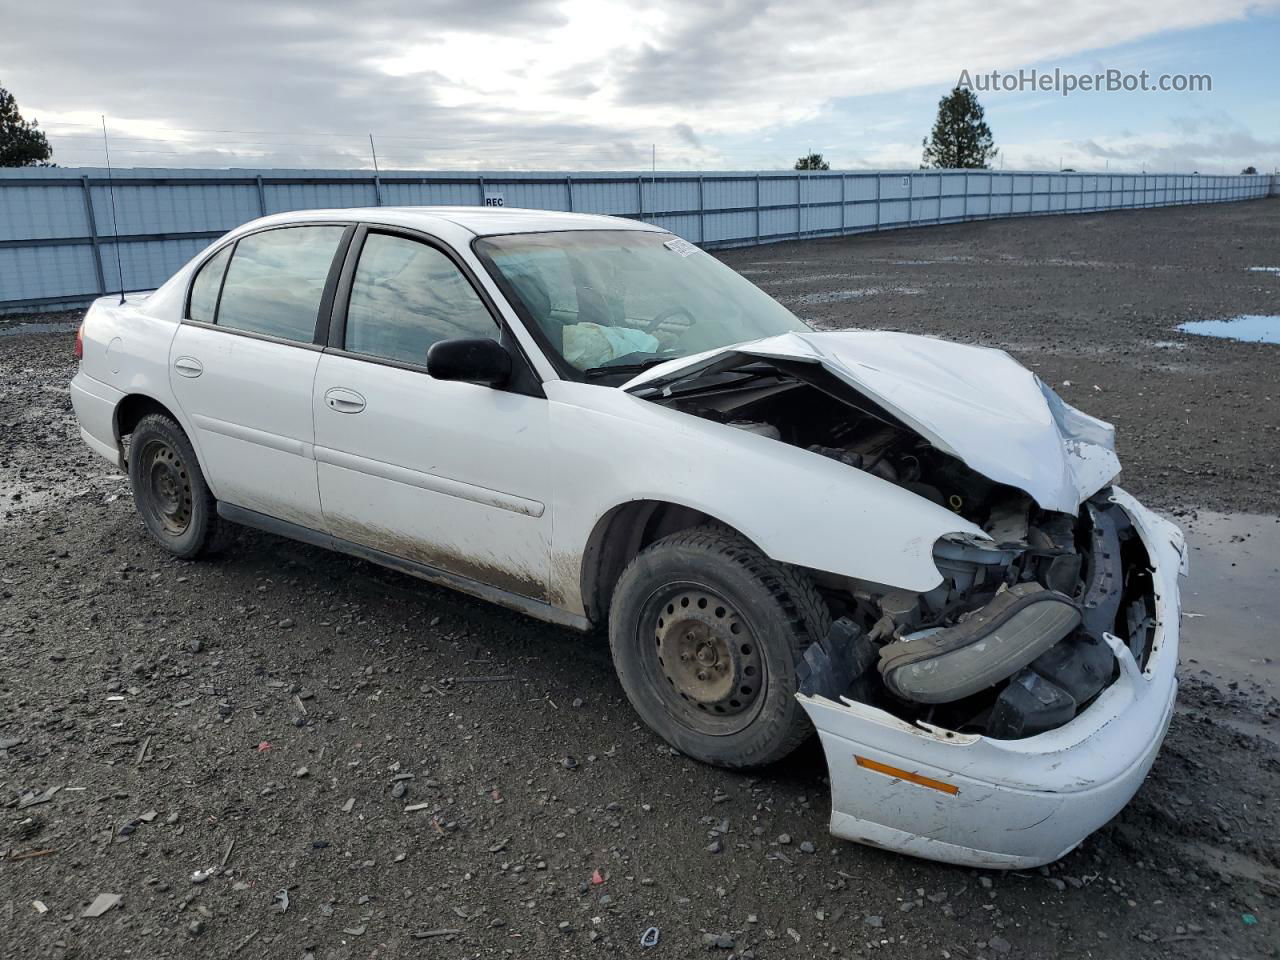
702, 674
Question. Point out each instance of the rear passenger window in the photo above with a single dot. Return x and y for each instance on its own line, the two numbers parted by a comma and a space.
276, 281
406, 296
204, 292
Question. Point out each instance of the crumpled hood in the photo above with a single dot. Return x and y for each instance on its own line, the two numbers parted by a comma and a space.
975, 403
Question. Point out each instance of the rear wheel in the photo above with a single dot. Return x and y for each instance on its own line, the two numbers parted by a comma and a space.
170, 492
705, 633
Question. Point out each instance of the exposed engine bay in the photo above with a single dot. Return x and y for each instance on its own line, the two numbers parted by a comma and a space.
1010, 643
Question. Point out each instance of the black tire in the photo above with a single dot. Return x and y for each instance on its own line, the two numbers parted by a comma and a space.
706, 632
170, 492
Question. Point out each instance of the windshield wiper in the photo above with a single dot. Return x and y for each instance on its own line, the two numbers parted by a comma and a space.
626, 367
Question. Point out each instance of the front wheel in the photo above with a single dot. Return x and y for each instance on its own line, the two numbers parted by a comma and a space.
170, 492
706, 632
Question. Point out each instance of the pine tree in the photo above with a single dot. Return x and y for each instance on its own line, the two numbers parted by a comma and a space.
960, 139
22, 143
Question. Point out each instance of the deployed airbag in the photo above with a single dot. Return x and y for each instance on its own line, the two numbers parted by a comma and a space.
589, 345
948, 664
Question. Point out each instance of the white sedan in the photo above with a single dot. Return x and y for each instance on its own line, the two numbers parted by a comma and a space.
912, 545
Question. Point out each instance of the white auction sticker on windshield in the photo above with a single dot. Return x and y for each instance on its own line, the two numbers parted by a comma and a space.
682, 247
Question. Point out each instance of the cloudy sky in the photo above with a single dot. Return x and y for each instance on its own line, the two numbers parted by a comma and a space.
598, 84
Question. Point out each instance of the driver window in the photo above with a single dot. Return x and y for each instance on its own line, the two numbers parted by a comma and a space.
406, 296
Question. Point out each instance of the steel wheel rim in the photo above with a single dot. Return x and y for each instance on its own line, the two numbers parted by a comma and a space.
168, 487
702, 658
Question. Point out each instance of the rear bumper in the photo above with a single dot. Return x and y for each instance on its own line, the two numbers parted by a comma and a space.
971, 800
95, 405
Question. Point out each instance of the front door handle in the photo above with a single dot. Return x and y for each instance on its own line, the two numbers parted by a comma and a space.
343, 400
188, 366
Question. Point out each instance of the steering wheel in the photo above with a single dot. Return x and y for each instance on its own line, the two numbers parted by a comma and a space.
667, 322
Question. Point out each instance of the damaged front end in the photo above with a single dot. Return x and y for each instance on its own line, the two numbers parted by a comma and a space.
1018, 774
1012, 642
1001, 715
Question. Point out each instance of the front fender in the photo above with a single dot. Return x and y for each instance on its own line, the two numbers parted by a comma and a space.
798, 507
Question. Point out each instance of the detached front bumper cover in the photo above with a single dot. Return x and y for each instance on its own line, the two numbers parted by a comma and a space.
972, 800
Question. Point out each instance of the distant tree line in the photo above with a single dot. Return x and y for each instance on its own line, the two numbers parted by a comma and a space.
960, 138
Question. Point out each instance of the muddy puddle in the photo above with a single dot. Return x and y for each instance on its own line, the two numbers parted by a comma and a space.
20, 499
1249, 327
1231, 598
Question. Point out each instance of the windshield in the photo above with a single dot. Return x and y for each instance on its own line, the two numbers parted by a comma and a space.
614, 301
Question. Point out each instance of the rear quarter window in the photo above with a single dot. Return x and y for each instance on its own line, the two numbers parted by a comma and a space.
204, 291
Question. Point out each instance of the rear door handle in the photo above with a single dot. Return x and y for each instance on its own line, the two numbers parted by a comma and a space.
188, 366
343, 400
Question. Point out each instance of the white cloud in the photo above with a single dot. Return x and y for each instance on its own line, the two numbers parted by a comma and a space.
550, 83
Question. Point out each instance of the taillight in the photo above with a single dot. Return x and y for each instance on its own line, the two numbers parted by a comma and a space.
80, 342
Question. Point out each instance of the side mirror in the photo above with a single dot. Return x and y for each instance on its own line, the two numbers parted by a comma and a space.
479, 360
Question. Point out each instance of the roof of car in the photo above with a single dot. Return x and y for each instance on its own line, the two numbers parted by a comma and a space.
482, 221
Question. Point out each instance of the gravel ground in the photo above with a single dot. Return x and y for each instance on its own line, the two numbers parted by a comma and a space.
283, 752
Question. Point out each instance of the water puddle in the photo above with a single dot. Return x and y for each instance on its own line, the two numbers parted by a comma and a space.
1230, 601
841, 296
815, 278
1067, 262
1249, 327
926, 263
21, 329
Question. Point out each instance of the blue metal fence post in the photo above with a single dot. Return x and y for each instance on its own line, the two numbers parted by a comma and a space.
702, 213
799, 209
568, 185
93, 235
480, 187
640, 194
262, 197
757, 208
879, 188
843, 194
